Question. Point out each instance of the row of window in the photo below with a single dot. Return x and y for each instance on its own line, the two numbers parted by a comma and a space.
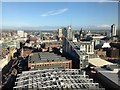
89, 47
66, 64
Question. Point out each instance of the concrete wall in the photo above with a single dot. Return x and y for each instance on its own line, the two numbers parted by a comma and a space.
69, 49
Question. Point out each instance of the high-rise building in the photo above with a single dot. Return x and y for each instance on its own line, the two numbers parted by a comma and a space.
73, 49
69, 33
88, 46
64, 32
80, 34
113, 30
119, 32
60, 33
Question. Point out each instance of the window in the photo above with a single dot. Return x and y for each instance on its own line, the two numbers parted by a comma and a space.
89, 48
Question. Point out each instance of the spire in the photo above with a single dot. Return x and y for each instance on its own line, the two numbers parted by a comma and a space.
69, 27
80, 34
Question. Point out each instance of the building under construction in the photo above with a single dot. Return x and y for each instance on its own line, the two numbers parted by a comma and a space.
55, 79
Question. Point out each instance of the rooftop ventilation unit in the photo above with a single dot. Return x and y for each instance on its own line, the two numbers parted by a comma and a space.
106, 45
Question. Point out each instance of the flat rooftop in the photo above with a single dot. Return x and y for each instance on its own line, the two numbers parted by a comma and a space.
45, 57
110, 75
98, 62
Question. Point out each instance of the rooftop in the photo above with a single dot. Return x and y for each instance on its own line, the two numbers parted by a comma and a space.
99, 62
45, 57
111, 75
55, 79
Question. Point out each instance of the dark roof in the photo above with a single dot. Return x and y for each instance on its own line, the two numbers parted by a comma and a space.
31, 38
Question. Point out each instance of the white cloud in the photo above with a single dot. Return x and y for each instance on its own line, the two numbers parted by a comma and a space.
55, 12
103, 26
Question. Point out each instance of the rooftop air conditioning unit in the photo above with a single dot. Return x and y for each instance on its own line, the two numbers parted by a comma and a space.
106, 45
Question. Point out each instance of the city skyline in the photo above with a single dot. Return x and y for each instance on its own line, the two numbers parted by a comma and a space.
71, 44
42, 15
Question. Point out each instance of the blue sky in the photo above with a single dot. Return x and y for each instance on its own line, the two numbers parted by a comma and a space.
77, 14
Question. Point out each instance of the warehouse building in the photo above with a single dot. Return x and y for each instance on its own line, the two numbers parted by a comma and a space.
46, 60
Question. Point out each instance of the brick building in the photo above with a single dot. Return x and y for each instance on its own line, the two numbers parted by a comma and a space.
46, 60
